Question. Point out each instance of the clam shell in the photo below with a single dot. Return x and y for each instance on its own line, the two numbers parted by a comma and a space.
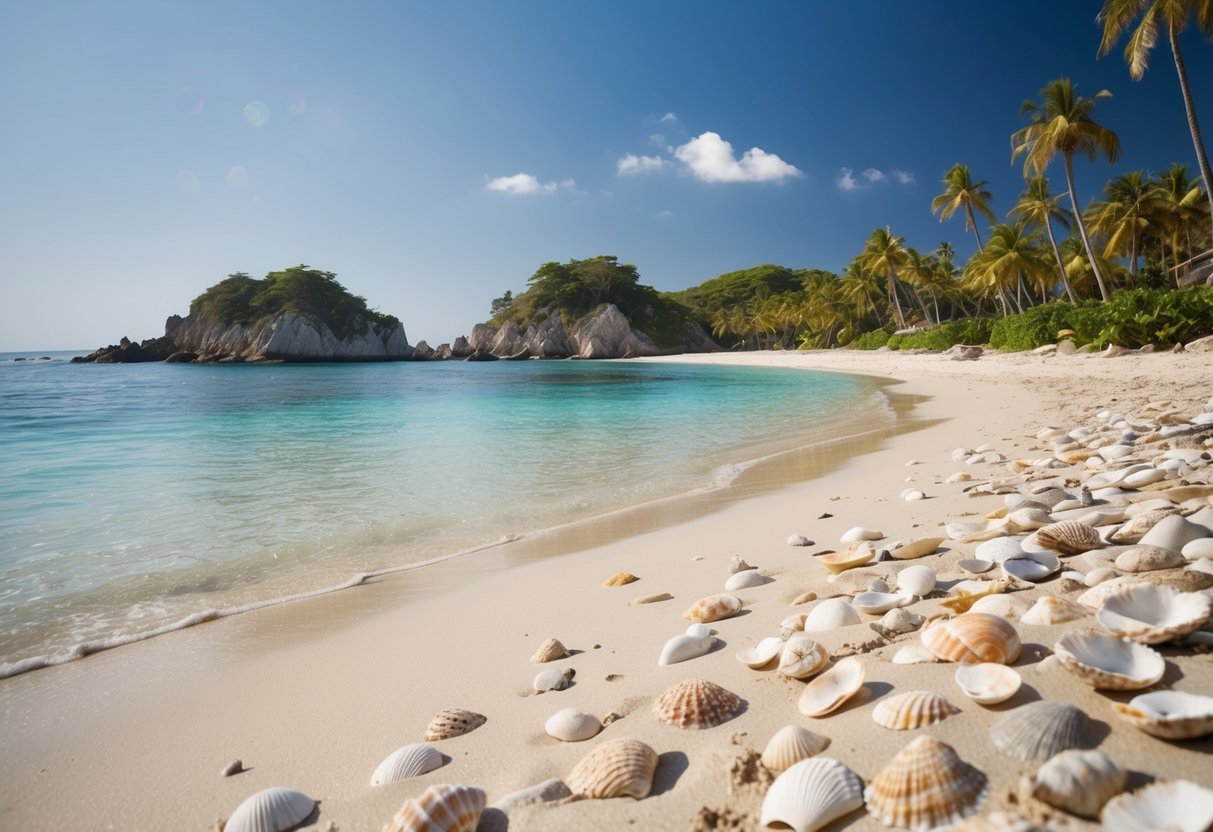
790, 745
1200, 548
1004, 606
972, 638
916, 580
551, 679
619, 579
850, 558
925, 786
684, 647
811, 794
1070, 537
875, 603
1170, 714
549, 651
975, 566
1108, 662
409, 761
1080, 782
829, 690
1177, 805
1048, 611
762, 653
988, 683
999, 549
912, 549
858, 533
1037, 731
270, 810
452, 722
1153, 614
912, 709
1031, 566
697, 703
744, 580
713, 608
441, 808
802, 657
614, 769
1143, 558
913, 654
830, 614
571, 725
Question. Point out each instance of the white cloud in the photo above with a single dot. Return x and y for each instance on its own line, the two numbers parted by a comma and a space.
633, 164
664, 214
521, 184
846, 179
568, 183
873, 175
710, 158
669, 117
657, 139
905, 177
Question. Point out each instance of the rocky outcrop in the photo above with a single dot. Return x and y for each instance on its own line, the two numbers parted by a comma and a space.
610, 335
127, 351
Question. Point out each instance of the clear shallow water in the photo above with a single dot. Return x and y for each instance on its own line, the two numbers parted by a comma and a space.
132, 496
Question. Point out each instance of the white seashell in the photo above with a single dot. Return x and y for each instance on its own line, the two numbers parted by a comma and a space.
1109, 663
875, 603
792, 624
975, 566
1153, 614
1173, 532
1170, 714
1177, 805
799, 540
1048, 611
698, 629
744, 580
571, 725
762, 653
858, 533
790, 745
913, 549
916, 580
408, 761
913, 654
545, 792
270, 810
685, 647
1202, 547
1099, 575
828, 691
959, 531
1028, 519
911, 495
898, 621
551, 679
802, 657
1031, 566
878, 585
913, 709
999, 549
988, 683
1080, 782
737, 564
925, 786
959, 476
1037, 731
811, 794
830, 614
1144, 558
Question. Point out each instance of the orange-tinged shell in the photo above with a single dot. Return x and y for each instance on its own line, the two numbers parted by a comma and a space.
614, 769
713, 608
697, 703
452, 722
913, 709
972, 638
1069, 537
620, 578
440, 809
924, 787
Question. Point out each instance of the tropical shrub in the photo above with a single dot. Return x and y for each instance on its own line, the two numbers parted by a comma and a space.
873, 340
944, 336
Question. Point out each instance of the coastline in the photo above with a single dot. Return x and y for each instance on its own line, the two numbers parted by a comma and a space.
313, 694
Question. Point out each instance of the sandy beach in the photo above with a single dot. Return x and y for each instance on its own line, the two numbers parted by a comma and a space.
313, 695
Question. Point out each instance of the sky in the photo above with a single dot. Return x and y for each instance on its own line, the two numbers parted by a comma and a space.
434, 155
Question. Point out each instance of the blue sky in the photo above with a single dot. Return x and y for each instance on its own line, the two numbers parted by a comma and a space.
435, 154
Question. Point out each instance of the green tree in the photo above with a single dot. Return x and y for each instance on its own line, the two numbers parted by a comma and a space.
1123, 216
502, 303
1040, 207
886, 253
960, 191
1179, 204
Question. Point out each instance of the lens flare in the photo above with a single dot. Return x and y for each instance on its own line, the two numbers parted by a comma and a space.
189, 101
296, 103
256, 113
237, 177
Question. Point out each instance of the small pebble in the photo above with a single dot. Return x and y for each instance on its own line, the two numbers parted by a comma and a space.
234, 767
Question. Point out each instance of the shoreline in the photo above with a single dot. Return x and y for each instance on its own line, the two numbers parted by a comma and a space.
312, 695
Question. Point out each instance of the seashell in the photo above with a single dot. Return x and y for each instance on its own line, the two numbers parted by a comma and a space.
440, 809
1153, 614
549, 651
858, 533
803, 598
762, 653
1069, 537
790, 745
1004, 606
911, 495
271, 810
685, 647
925, 786
913, 654
697, 703
1048, 611
713, 608
975, 566
875, 603
1099, 575
1171, 805
650, 599
830, 614
857, 555
571, 725
1080, 782
811, 794
1181, 580
1202, 547
614, 769
916, 580
802, 657
959, 476
1109, 663
913, 709
1140, 479
744, 580
737, 564
799, 540
408, 761
1169, 714
959, 531
1134, 530
452, 722
698, 629
913, 549
793, 624
898, 621
988, 683
1144, 558
829, 690
1027, 519
967, 597
1031, 566
619, 579
999, 549
1039, 730
552, 679
878, 585
972, 638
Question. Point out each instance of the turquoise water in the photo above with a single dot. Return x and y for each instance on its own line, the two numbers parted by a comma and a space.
132, 496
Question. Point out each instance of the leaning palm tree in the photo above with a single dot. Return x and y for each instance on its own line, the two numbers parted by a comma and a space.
960, 191
1062, 123
885, 253
1173, 15
1037, 205
1124, 216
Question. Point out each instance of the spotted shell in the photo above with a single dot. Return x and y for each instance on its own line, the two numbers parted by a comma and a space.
912, 709
1069, 537
810, 794
713, 608
973, 637
1169, 714
452, 722
549, 651
620, 579
270, 810
1108, 662
442, 808
790, 745
1175, 804
828, 691
1039, 730
697, 703
925, 786
614, 769
1080, 782
1153, 614
409, 761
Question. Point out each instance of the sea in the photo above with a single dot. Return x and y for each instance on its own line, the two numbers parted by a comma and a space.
136, 499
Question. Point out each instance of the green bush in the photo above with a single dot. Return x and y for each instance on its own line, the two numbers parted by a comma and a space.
873, 340
944, 336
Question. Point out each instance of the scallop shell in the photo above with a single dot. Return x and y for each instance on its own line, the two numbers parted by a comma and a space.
913, 549
916, 580
913, 709
270, 810
1170, 714
1049, 610
744, 580
1069, 537
549, 651
1153, 614
620, 578
857, 555
790, 745
830, 614
697, 703
1080, 782
802, 657
713, 608
571, 725
811, 794
452, 722
552, 679
440, 809
972, 638
1143, 558
1177, 805
858, 533
762, 653
614, 769
1108, 662
409, 761
829, 690
685, 647
925, 786
988, 683
1039, 730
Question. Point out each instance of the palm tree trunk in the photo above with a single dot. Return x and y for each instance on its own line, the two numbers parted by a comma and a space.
1065, 279
1202, 158
892, 287
1133, 256
1082, 226
973, 222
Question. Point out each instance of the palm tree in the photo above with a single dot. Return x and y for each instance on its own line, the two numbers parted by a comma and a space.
1042, 208
1123, 216
920, 272
860, 287
1118, 15
960, 191
1062, 123
1012, 254
886, 253
1178, 203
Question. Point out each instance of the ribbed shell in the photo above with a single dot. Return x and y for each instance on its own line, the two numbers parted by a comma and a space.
925, 786
270, 810
697, 703
973, 637
913, 709
713, 608
811, 794
1079, 781
1153, 614
1040, 730
1070, 537
1108, 662
1173, 805
614, 769
453, 722
441, 808
408, 761
620, 579
549, 651
790, 745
